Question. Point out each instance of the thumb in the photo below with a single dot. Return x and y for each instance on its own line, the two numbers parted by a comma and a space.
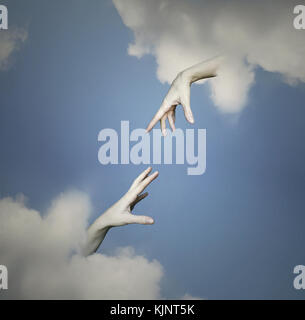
140, 219
188, 111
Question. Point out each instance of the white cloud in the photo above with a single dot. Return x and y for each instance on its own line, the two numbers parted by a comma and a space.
40, 253
180, 33
10, 41
190, 297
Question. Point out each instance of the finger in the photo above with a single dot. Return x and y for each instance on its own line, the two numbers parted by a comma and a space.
146, 182
163, 124
187, 111
139, 219
171, 120
188, 114
142, 176
132, 194
155, 119
138, 199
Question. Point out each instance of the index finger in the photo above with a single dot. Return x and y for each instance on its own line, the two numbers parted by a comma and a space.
140, 177
155, 119
146, 182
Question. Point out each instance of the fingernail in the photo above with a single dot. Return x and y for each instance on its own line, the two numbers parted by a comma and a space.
149, 221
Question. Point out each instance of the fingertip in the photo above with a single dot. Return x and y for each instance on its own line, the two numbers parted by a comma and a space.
189, 118
188, 115
150, 221
149, 127
156, 173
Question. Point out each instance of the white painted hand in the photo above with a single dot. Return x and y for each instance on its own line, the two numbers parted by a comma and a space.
120, 213
179, 93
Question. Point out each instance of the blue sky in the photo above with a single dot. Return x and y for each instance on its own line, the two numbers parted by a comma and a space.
235, 232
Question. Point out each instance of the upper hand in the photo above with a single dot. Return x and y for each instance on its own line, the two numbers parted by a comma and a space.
179, 93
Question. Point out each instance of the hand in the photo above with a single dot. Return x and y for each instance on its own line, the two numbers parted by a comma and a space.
179, 93
120, 213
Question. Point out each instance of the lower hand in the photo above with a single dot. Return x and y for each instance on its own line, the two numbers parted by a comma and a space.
120, 213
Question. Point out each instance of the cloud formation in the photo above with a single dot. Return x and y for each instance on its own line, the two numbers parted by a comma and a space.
190, 297
41, 254
10, 40
251, 34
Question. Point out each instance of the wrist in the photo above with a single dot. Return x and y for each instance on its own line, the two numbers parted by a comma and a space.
206, 69
101, 224
185, 76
